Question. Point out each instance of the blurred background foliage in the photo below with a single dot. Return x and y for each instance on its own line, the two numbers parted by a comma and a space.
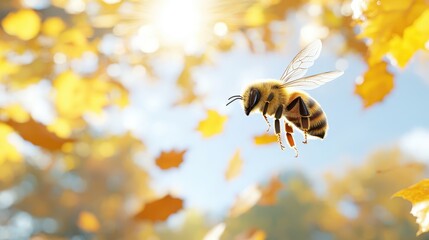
68, 65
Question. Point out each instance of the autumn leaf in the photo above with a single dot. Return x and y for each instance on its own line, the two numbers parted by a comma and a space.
160, 209
212, 125
8, 151
265, 139
234, 166
24, 24
248, 198
269, 193
88, 222
215, 233
377, 83
37, 134
172, 159
53, 26
252, 234
418, 195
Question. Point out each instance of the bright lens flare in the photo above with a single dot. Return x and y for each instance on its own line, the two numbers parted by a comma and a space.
179, 22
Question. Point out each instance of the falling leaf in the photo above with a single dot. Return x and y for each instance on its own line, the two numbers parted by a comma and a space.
377, 83
245, 201
215, 233
24, 24
418, 195
265, 139
269, 193
212, 125
252, 234
160, 209
170, 159
234, 166
88, 222
37, 134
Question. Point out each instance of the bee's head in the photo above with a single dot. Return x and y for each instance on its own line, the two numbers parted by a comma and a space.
251, 98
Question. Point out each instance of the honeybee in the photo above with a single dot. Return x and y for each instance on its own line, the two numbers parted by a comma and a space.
282, 99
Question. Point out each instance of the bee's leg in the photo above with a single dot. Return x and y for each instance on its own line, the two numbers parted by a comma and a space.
278, 115
264, 111
305, 115
291, 141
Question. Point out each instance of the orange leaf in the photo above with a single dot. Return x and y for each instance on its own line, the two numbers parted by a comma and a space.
170, 159
269, 193
160, 209
212, 125
252, 234
418, 195
245, 201
265, 139
37, 134
234, 167
88, 222
377, 83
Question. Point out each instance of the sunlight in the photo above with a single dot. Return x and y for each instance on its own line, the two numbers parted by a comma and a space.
179, 22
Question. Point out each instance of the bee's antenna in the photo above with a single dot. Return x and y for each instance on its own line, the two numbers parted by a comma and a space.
234, 96
237, 98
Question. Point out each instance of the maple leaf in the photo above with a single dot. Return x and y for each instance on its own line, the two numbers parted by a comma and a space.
418, 195
269, 193
37, 134
234, 166
88, 222
170, 159
24, 24
377, 83
265, 139
212, 125
248, 198
160, 209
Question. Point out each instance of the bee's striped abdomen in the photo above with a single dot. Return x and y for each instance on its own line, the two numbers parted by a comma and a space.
318, 122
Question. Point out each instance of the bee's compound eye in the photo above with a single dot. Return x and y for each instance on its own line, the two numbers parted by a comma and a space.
254, 97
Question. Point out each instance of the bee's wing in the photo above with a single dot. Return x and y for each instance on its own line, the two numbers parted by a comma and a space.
302, 61
313, 81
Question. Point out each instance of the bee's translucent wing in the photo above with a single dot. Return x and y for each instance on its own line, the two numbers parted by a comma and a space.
313, 81
303, 60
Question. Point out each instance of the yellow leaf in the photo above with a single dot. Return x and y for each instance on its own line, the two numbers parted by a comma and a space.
160, 209
377, 83
255, 16
418, 195
234, 167
53, 26
15, 112
245, 201
396, 27
24, 24
212, 125
265, 139
170, 159
8, 151
88, 222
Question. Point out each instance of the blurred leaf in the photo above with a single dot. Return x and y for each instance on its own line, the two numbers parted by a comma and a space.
216, 232
37, 134
248, 198
255, 16
269, 193
212, 125
88, 222
234, 166
252, 234
160, 209
377, 83
418, 195
8, 151
24, 24
53, 26
265, 139
172, 159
